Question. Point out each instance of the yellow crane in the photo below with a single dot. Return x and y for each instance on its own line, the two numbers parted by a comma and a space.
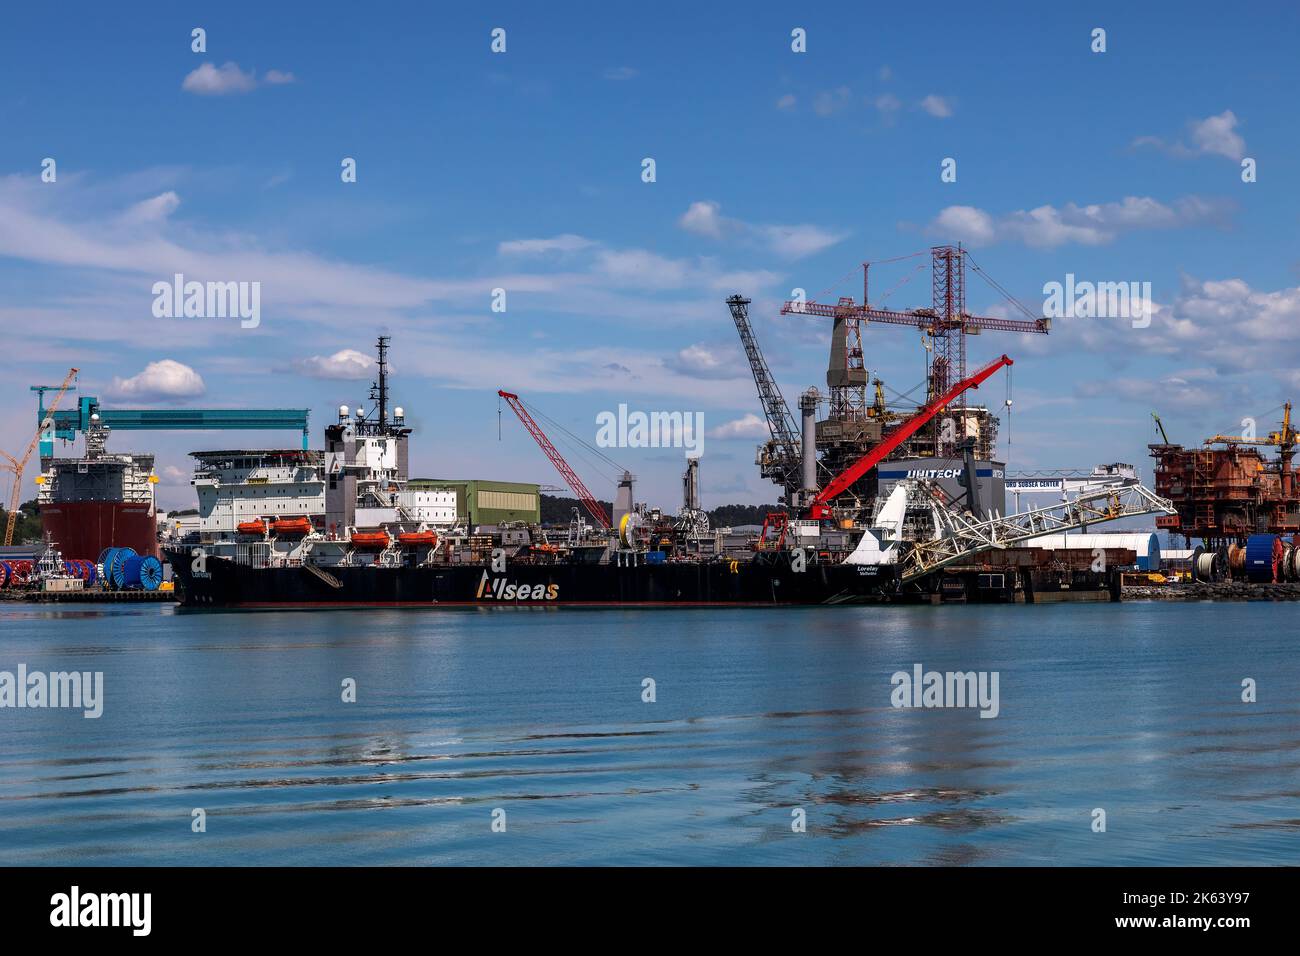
1284, 439
19, 465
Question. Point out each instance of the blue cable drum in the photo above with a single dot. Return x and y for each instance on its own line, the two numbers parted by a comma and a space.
1261, 557
105, 565
141, 572
115, 576
151, 573
4, 574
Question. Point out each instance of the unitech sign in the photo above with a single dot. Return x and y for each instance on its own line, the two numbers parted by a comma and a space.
949, 474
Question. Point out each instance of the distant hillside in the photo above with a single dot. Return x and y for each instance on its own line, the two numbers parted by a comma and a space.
28, 527
560, 510
731, 516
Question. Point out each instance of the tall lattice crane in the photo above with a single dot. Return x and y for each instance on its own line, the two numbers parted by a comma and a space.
19, 465
946, 322
570, 476
779, 461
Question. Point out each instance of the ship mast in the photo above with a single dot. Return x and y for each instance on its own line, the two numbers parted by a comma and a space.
382, 386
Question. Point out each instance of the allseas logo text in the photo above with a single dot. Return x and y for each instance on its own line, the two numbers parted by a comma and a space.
199, 566
498, 589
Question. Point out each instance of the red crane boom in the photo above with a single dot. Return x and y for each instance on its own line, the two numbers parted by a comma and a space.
562, 466
819, 508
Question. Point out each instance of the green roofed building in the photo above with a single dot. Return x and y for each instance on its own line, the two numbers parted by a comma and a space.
489, 502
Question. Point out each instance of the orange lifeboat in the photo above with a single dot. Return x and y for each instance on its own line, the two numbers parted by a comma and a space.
257, 527
290, 527
412, 539
370, 540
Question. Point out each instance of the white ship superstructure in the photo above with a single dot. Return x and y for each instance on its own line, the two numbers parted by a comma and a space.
277, 506
244, 485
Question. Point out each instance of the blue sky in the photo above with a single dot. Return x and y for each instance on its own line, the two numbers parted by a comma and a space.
522, 170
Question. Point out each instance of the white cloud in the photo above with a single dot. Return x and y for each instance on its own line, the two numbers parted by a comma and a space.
1212, 136
620, 73
747, 426
567, 242
1095, 224
1218, 135
165, 378
789, 242
703, 218
832, 101
345, 364
796, 242
965, 223
701, 361
155, 209
938, 106
787, 102
209, 80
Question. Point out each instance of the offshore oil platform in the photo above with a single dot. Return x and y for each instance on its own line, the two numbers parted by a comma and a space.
1240, 504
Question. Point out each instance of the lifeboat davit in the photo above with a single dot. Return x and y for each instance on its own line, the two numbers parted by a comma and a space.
412, 539
289, 527
257, 527
370, 540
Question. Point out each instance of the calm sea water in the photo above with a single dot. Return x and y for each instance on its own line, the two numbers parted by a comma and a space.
1134, 708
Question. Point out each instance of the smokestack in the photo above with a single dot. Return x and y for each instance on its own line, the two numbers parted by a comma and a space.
691, 485
808, 406
623, 498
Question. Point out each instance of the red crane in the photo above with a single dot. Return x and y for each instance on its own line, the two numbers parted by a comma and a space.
562, 466
820, 508
947, 315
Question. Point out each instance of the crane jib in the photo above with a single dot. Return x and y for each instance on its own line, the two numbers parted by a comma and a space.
846, 478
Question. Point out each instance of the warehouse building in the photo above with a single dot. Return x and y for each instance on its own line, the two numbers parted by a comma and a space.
485, 503
1144, 544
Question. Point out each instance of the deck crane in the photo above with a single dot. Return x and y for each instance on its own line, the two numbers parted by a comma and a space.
19, 465
570, 477
779, 460
946, 322
819, 507
1161, 426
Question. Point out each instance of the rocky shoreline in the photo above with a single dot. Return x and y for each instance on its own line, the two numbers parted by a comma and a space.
1218, 591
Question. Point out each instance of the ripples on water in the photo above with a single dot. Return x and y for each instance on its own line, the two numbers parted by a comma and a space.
1134, 708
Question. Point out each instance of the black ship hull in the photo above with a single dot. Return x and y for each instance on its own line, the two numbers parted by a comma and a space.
767, 580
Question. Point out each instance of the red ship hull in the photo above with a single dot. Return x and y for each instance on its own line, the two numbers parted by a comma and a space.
83, 529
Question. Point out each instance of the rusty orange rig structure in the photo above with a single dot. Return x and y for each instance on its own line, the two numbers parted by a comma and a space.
1227, 490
